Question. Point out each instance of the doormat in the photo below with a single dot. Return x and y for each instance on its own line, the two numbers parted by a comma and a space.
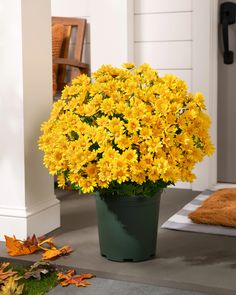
181, 221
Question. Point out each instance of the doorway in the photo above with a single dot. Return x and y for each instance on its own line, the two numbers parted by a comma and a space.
226, 158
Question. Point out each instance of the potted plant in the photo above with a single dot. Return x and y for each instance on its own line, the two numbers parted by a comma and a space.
126, 134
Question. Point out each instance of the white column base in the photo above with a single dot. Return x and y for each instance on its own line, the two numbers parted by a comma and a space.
23, 222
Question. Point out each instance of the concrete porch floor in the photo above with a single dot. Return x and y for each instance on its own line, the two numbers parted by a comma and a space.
185, 261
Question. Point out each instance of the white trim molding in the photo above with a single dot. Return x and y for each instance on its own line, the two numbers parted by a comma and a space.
204, 78
38, 220
27, 212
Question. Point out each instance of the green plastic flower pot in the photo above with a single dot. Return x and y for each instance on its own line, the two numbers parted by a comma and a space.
127, 226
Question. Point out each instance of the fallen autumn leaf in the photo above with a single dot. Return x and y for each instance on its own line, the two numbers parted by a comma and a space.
70, 279
17, 247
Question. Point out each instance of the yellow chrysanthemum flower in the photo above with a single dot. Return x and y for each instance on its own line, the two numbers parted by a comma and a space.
125, 125
87, 184
128, 65
61, 180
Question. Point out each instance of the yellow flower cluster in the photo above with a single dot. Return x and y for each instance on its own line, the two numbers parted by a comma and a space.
125, 125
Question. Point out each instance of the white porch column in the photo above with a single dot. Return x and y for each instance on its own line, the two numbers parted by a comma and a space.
111, 32
27, 201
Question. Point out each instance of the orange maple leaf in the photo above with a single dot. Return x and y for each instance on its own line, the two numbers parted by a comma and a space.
64, 276
5, 274
17, 247
54, 252
78, 280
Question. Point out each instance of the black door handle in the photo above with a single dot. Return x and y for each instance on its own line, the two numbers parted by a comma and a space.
227, 17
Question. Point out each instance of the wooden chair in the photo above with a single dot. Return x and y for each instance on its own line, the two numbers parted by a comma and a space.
71, 50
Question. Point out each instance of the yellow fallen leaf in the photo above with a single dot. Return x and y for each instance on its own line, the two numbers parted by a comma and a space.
54, 253
11, 287
49, 242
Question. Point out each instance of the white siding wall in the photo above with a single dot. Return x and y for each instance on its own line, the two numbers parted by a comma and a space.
163, 36
162, 32
75, 8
